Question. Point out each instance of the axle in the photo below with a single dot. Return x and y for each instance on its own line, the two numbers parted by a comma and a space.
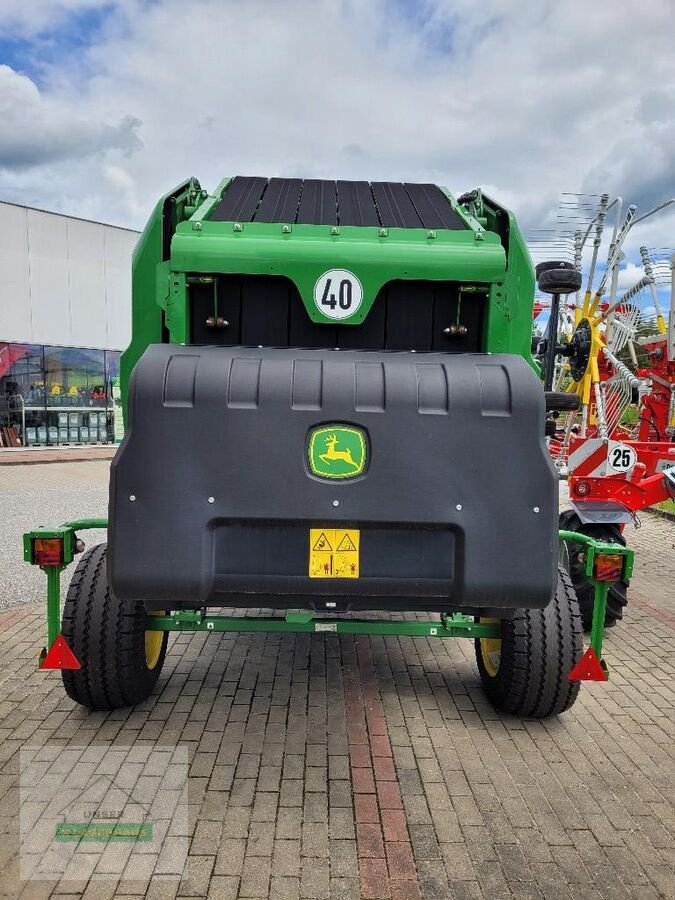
53, 549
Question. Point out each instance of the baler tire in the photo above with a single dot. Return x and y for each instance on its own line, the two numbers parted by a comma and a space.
107, 636
539, 648
559, 281
547, 265
560, 401
617, 597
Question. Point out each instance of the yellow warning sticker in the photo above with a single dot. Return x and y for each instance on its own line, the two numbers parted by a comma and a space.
334, 552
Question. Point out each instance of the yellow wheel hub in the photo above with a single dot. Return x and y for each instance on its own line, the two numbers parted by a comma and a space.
490, 649
589, 312
153, 643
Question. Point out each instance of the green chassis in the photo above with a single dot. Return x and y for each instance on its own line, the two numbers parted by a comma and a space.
457, 625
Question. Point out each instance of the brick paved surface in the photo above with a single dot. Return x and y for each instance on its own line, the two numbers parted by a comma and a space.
334, 767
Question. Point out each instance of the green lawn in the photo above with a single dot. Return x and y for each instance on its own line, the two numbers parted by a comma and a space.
667, 505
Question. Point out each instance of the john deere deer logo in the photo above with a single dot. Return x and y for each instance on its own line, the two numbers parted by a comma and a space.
331, 453
337, 452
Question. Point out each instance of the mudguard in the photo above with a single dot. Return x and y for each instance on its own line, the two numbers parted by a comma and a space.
215, 487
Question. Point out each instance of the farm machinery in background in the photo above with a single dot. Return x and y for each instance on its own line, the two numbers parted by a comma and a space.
608, 352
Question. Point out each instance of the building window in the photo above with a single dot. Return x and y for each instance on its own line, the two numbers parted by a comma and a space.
51, 396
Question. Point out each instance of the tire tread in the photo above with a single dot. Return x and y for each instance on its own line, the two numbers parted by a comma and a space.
108, 638
539, 649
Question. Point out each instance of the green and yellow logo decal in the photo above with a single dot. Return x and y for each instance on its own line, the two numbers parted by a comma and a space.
337, 451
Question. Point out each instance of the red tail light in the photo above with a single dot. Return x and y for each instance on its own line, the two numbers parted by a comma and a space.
48, 551
582, 488
608, 567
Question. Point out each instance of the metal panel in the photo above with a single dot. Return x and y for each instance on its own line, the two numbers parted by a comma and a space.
118, 249
240, 200
86, 283
433, 207
50, 295
318, 203
64, 281
280, 201
15, 307
264, 311
267, 310
394, 205
410, 315
356, 205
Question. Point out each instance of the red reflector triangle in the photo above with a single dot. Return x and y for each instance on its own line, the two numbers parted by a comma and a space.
588, 668
60, 656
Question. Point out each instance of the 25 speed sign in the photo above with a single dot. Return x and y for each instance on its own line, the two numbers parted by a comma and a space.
338, 294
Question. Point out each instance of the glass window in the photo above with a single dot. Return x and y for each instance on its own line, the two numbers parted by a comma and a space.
74, 377
58, 396
113, 395
23, 418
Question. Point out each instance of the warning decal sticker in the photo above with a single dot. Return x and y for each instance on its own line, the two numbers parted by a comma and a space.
327, 562
346, 544
322, 542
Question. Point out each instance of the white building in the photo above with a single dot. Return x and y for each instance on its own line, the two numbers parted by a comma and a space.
65, 315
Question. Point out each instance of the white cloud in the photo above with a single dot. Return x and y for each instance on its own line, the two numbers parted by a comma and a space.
26, 18
629, 275
37, 131
529, 99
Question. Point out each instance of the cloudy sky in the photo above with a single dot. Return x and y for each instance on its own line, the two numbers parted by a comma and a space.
106, 104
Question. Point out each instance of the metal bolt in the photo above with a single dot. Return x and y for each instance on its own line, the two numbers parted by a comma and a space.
132, 497
285, 229
431, 234
536, 509
336, 502
479, 236
237, 227
196, 226
384, 232
455, 330
335, 230
459, 507
212, 499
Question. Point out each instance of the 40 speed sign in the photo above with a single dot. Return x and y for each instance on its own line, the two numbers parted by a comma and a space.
338, 294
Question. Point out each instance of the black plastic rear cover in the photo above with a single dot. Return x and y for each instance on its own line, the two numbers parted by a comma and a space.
457, 507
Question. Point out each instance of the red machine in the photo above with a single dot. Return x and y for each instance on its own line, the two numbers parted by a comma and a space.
614, 469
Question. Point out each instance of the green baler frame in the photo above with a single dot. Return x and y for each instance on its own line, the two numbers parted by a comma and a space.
181, 244
304, 622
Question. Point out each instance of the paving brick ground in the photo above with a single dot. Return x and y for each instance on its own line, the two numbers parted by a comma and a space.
332, 767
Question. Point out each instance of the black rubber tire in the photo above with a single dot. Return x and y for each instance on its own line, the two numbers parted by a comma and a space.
617, 597
107, 636
551, 264
539, 649
559, 401
559, 281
